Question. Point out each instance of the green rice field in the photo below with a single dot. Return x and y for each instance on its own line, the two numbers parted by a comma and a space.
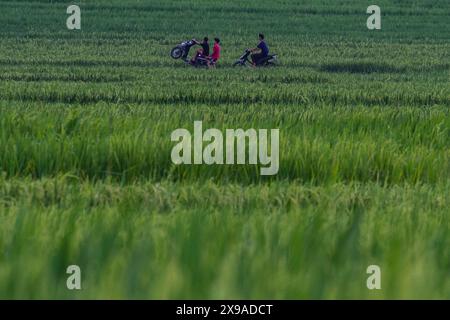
86, 176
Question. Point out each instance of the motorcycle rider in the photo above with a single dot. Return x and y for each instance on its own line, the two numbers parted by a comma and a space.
260, 52
203, 51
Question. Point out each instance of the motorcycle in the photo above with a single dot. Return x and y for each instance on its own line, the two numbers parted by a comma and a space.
270, 60
182, 50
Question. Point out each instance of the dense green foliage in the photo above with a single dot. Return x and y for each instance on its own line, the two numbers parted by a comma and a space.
86, 176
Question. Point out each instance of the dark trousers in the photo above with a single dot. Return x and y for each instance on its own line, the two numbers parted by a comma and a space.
257, 57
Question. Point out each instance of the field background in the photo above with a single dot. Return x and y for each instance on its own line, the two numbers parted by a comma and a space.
86, 176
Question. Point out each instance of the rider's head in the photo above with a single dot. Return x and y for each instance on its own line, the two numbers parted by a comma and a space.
205, 39
217, 40
261, 37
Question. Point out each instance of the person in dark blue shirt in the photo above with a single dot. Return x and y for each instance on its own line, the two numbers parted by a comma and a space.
261, 51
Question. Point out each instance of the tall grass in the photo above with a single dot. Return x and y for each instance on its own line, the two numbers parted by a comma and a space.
210, 241
319, 144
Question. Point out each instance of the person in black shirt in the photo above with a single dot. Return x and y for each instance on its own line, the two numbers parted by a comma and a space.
205, 47
203, 51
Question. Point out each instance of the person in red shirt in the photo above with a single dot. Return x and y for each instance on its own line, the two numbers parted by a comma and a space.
216, 53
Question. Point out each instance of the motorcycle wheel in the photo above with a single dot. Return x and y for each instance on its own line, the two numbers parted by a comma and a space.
176, 52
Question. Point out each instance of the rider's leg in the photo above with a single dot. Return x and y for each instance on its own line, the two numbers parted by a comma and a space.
211, 63
256, 57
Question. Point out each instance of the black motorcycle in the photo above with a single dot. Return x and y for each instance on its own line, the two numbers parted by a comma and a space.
182, 50
270, 60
